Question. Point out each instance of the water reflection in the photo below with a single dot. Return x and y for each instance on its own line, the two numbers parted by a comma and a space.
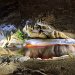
50, 41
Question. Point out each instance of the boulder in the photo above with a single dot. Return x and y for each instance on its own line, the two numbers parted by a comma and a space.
41, 30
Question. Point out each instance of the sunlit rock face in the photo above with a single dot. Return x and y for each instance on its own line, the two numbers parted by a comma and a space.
6, 30
15, 42
41, 30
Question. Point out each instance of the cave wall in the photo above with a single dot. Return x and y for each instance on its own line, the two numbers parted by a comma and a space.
57, 7
14, 11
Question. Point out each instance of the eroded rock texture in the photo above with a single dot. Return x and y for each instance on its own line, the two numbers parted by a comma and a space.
50, 51
58, 13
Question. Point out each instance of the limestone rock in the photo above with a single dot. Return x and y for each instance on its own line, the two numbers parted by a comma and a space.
6, 30
15, 41
41, 30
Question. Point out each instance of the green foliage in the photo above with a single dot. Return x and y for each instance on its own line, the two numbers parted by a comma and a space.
20, 34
